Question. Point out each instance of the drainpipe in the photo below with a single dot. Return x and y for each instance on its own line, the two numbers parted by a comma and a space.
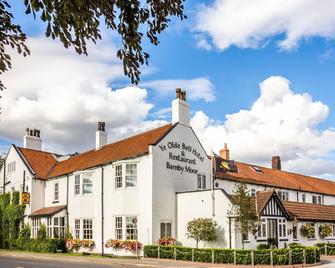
24, 181
4, 174
102, 211
229, 219
67, 203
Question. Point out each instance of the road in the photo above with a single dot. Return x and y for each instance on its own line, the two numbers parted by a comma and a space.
10, 262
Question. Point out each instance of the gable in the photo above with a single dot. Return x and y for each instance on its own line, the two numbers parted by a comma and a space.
268, 204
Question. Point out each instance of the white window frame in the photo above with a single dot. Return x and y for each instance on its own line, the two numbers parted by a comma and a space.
130, 175
201, 181
88, 183
36, 223
295, 233
87, 229
56, 191
119, 176
11, 167
282, 228
58, 227
165, 224
262, 229
118, 226
131, 228
283, 195
77, 228
77, 183
303, 198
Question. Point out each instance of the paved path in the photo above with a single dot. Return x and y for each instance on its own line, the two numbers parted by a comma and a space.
10, 259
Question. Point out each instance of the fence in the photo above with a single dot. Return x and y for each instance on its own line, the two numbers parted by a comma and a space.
302, 255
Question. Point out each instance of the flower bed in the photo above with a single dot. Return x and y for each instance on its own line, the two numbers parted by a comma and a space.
296, 255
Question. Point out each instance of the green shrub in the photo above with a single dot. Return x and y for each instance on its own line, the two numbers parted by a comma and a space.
295, 245
183, 253
150, 251
330, 248
42, 232
41, 245
263, 246
166, 252
202, 255
223, 255
262, 256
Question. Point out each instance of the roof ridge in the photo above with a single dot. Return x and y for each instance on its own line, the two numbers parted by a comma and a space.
40, 151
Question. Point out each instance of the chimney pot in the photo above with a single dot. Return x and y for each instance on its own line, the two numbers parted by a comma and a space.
276, 162
32, 139
100, 136
224, 153
180, 108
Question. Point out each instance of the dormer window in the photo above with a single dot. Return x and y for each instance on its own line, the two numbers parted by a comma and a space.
256, 169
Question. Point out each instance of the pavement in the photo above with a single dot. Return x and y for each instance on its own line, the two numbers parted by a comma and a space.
14, 259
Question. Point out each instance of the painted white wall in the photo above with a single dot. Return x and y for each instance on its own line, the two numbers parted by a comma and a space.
192, 205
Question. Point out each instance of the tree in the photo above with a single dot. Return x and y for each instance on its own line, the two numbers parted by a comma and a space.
242, 211
202, 229
76, 22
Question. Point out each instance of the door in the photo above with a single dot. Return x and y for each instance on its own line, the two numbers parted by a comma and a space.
273, 232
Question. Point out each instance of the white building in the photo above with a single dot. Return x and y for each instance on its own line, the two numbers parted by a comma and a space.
150, 185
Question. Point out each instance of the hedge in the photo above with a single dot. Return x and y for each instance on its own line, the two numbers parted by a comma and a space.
330, 248
41, 245
231, 256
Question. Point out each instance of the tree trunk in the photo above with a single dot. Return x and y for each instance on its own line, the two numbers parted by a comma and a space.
197, 242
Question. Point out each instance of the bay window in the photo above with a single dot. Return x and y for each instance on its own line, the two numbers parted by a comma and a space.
36, 222
58, 227
262, 229
282, 228
77, 228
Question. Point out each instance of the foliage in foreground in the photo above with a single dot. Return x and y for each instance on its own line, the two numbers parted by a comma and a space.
202, 229
280, 256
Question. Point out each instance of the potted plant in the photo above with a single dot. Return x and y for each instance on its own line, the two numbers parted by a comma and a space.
307, 230
166, 241
87, 245
325, 230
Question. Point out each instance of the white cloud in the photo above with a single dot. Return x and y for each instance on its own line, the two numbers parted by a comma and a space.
250, 24
280, 122
64, 95
200, 88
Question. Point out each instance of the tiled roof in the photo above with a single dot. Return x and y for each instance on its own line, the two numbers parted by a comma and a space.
262, 198
275, 178
47, 211
123, 149
41, 162
312, 212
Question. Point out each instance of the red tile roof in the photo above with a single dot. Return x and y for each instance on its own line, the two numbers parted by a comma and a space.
310, 212
262, 198
41, 162
275, 178
123, 149
47, 211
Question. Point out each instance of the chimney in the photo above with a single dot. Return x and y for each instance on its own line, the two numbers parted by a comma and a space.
100, 136
276, 162
32, 139
224, 153
180, 109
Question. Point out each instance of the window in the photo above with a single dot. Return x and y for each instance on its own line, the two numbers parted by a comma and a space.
36, 222
56, 191
131, 228
201, 181
245, 236
49, 227
118, 176
77, 184
303, 198
282, 228
319, 200
11, 167
131, 175
59, 227
118, 228
87, 229
166, 229
295, 232
253, 192
283, 195
87, 183
262, 229
77, 228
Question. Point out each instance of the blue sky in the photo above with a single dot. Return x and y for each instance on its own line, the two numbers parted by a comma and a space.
234, 70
